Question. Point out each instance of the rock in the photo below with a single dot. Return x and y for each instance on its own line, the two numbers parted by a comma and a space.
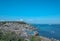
35, 33
19, 27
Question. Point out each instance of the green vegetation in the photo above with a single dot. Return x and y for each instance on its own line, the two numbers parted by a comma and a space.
11, 36
35, 38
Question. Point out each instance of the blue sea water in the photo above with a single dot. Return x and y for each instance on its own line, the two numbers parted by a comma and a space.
48, 30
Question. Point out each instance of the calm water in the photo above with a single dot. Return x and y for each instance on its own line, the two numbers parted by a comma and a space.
50, 31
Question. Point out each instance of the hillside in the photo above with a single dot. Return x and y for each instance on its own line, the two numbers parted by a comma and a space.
19, 31
20, 28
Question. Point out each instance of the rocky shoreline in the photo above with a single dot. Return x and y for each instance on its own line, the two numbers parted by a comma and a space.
21, 29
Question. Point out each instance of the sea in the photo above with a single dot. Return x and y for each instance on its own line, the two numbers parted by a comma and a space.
48, 30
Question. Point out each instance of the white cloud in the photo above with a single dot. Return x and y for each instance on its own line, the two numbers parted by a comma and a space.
21, 19
30, 20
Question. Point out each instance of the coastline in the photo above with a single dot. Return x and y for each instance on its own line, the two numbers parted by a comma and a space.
21, 29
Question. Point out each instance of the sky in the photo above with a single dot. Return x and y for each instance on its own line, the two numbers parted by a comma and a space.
31, 11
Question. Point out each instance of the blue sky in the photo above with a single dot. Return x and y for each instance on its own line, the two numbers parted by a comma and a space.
32, 11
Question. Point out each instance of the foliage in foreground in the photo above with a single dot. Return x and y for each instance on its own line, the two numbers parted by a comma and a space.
11, 36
